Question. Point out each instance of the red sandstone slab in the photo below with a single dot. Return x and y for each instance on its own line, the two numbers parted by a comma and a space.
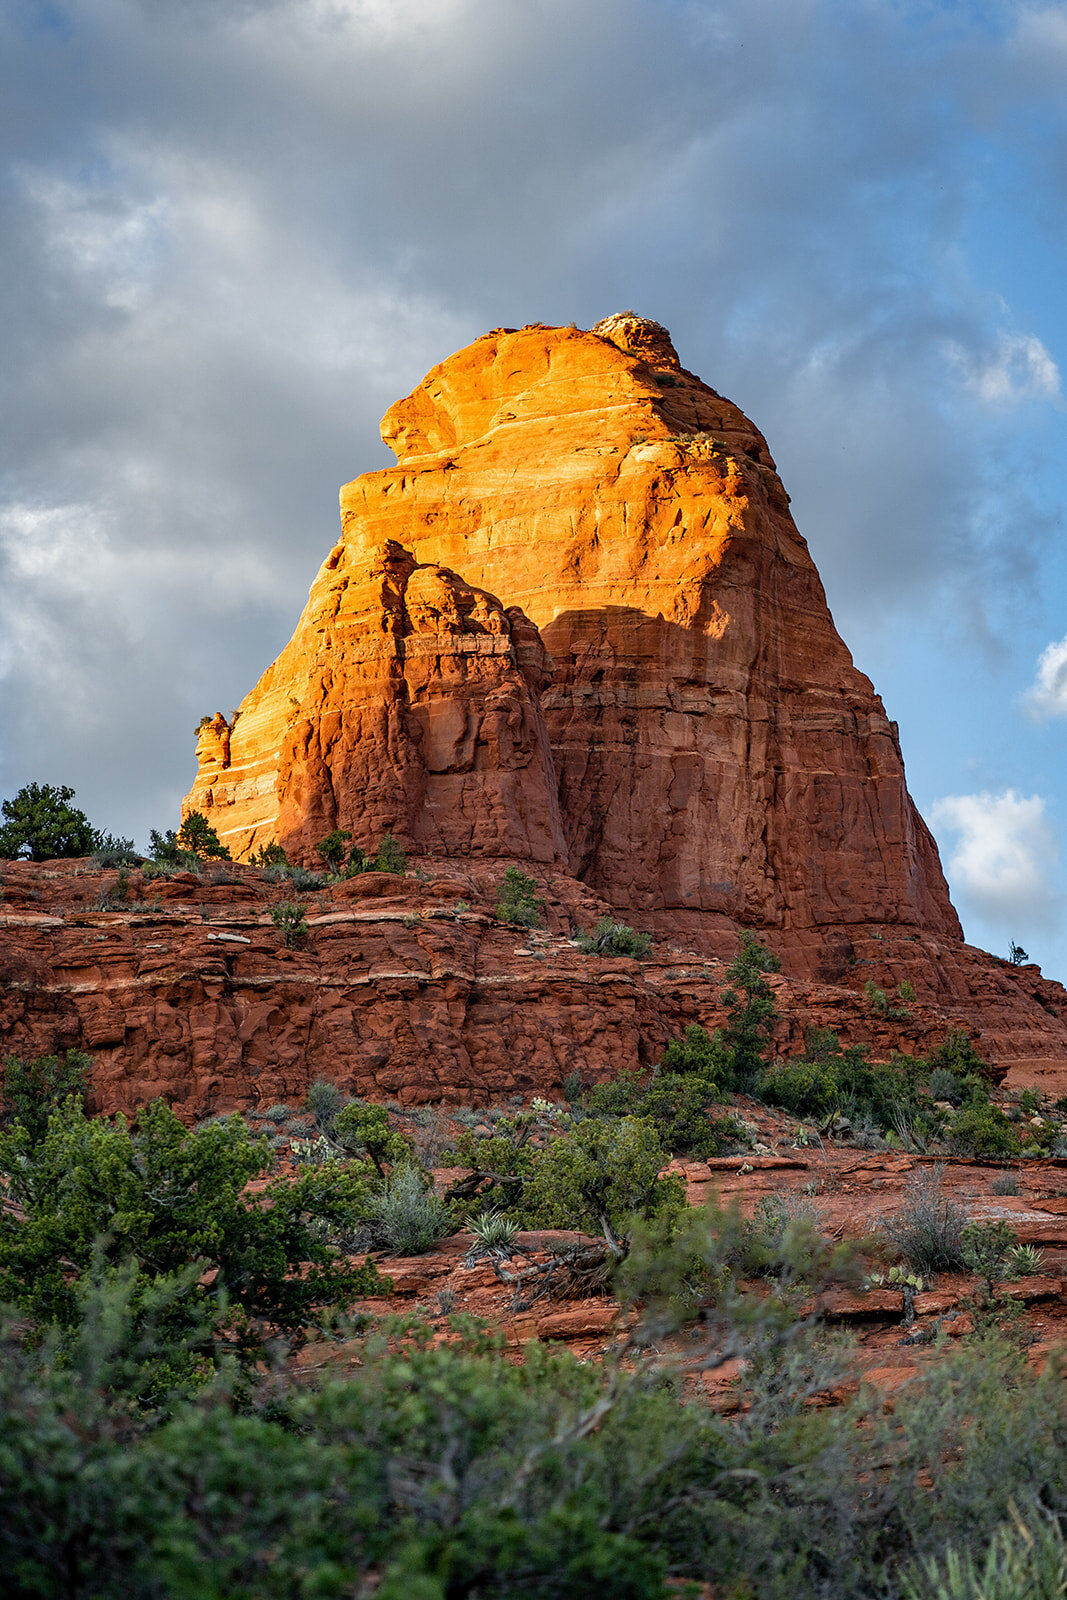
750, 1163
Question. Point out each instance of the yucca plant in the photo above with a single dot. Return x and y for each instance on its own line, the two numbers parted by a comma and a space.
494, 1233
1025, 1261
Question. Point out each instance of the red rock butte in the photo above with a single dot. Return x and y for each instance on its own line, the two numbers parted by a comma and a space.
687, 735
576, 627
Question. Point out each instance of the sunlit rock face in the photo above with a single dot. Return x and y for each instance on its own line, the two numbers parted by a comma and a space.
406, 703
658, 700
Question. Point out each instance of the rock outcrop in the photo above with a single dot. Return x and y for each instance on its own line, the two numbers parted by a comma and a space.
407, 703
719, 759
187, 990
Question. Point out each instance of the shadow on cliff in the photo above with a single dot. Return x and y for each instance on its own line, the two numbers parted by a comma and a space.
798, 795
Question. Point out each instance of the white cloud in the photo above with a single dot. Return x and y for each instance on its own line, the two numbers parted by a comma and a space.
1003, 859
1047, 695
1018, 368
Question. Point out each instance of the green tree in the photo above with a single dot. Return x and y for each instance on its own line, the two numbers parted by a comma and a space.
198, 837
698, 1054
498, 1163
290, 919
517, 901
271, 854
677, 1097
331, 851
365, 1130
34, 1089
391, 857
753, 1012
42, 825
95, 1195
600, 1177
164, 849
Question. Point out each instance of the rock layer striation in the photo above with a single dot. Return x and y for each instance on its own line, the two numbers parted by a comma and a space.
407, 703
718, 759
188, 991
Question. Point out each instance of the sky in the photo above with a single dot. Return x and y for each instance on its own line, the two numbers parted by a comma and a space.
233, 232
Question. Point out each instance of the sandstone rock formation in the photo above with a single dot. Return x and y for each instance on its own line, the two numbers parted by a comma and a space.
188, 991
407, 703
719, 759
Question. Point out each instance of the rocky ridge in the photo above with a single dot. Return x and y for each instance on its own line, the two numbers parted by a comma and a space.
408, 989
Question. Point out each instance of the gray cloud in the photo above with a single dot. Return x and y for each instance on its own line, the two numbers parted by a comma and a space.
234, 233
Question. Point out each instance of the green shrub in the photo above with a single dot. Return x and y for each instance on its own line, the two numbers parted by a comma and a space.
406, 1215
1007, 1183
676, 1104
1026, 1559
879, 1000
928, 1227
277, 1113
271, 854
830, 1079
599, 1177
499, 1162
324, 1100
610, 938
678, 1108
34, 1089
982, 1130
111, 852
987, 1248
419, 1466
619, 1096
944, 1085
781, 1214
699, 1054
365, 1130
290, 920
164, 1200
41, 825
572, 1087
390, 857
752, 1012
956, 1053
517, 902
167, 854
806, 1088
332, 851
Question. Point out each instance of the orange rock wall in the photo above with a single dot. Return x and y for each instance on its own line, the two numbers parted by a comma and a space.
407, 703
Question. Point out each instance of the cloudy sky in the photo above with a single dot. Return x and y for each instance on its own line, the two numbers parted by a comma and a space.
232, 232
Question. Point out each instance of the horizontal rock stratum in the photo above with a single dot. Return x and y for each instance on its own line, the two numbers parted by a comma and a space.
188, 991
717, 759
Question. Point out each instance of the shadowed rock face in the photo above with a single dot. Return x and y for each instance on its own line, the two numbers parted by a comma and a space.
718, 758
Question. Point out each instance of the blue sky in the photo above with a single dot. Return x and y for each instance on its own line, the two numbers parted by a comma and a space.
234, 231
